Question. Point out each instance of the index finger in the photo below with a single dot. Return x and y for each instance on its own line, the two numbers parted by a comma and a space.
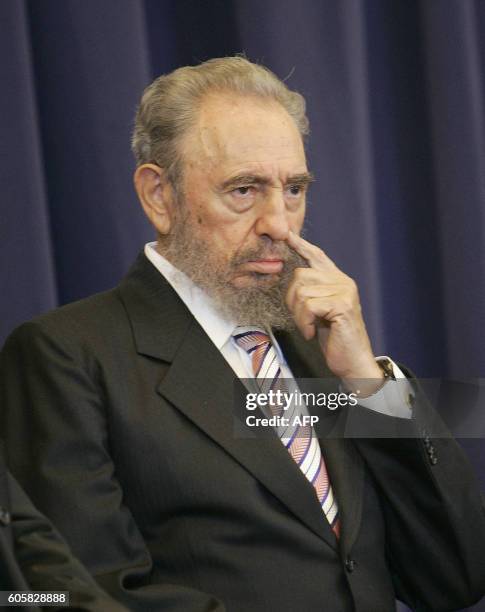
313, 254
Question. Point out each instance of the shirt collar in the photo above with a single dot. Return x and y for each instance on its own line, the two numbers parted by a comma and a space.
218, 328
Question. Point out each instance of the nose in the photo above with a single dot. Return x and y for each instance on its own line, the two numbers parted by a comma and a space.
273, 220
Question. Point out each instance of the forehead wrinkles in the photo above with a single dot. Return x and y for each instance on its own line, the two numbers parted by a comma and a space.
212, 146
235, 129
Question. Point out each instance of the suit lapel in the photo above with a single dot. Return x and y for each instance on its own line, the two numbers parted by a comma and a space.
201, 385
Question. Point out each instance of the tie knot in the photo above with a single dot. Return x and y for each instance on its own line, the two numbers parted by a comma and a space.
250, 339
257, 344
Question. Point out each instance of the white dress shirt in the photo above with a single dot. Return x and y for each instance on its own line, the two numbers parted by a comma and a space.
392, 399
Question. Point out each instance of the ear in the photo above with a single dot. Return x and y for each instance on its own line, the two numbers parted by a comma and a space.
156, 196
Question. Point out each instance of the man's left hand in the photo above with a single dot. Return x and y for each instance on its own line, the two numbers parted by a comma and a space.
325, 301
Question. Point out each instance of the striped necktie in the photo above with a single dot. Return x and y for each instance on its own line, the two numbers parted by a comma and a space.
300, 441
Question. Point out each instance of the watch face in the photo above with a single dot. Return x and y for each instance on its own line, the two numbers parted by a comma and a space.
386, 366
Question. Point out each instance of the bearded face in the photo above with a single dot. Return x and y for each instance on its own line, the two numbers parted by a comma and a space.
261, 300
242, 191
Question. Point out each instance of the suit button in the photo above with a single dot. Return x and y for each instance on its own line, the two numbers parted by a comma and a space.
5, 517
350, 565
430, 450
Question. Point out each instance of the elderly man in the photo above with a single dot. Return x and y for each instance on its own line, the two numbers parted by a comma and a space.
119, 413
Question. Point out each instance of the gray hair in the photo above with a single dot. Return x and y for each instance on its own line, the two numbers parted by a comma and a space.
169, 105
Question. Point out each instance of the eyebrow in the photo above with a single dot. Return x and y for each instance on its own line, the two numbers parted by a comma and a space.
303, 179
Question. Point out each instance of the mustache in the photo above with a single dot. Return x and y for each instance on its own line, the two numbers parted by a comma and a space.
276, 250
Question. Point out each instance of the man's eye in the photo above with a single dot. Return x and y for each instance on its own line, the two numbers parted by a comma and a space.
244, 190
295, 190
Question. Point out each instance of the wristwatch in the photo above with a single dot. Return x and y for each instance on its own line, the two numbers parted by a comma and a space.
387, 369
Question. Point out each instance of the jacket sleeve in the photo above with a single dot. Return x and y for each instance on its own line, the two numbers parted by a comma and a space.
434, 511
45, 560
57, 446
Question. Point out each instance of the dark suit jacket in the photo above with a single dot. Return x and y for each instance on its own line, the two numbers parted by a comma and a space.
34, 557
118, 419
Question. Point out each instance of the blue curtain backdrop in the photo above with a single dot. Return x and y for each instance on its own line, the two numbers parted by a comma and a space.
395, 92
